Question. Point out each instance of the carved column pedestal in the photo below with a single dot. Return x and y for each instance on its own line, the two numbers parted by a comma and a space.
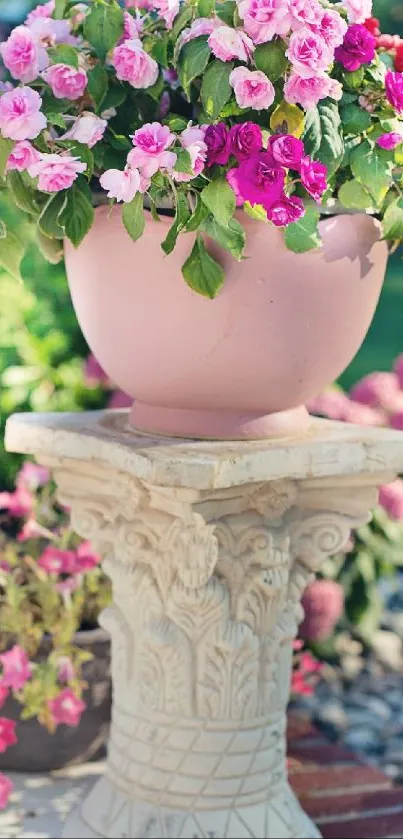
209, 547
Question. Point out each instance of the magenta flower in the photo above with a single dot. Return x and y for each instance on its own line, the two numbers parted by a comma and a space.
56, 171
286, 210
7, 734
245, 139
394, 90
252, 89
16, 668
377, 390
218, 144
286, 150
32, 476
20, 114
67, 708
3, 694
358, 48
257, 181
391, 499
56, 561
227, 43
6, 788
86, 559
390, 141
18, 503
313, 177
134, 65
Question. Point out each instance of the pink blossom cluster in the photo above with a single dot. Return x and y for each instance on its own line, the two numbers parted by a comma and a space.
305, 672
375, 400
260, 176
24, 53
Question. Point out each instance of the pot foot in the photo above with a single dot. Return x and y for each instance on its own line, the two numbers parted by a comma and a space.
110, 814
218, 425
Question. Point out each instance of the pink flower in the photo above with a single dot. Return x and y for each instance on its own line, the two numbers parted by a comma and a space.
323, 604
358, 10
308, 92
245, 139
305, 13
200, 26
32, 476
358, 48
121, 185
218, 142
309, 53
94, 374
394, 90
286, 150
3, 694
22, 157
257, 181
150, 153
264, 19
65, 669
252, 89
391, 499
56, 171
396, 421
66, 82
192, 139
66, 587
167, 9
20, 114
377, 390
33, 530
49, 33
398, 369
132, 27
362, 415
286, 210
313, 177
16, 668
7, 734
18, 503
119, 400
227, 43
332, 28
66, 708
20, 55
134, 65
331, 404
390, 141
6, 788
56, 561
87, 129
86, 559
46, 10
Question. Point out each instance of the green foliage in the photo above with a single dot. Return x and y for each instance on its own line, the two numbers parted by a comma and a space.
201, 272
303, 235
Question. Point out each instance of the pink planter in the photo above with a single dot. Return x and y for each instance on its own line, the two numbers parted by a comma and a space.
284, 326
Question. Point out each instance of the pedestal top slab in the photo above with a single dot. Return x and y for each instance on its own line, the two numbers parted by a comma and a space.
327, 449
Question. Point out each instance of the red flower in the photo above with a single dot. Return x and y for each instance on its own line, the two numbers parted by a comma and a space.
399, 57
373, 26
7, 734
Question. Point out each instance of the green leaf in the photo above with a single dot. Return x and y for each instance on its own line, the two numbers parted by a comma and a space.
51, 249
60, 6
231, 109
197, 217
183, 162
115, 96
49, 221
271, 59
216, 89
303, 235
373, 168
6, 147
156, 89
64, 54
57, 119
176, 123
393, 220
231, 238
355, 120
23, 196
133, 217
11, 254
322, 136
201, 272
226, 11
353, 196
220, 200
182, 215
256, 211
3, 229
355, 79
193, 60
182, 20
103, 27
97, 85
159, 50
78, 215
205, 7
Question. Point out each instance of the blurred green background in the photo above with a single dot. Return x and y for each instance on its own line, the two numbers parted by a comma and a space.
42, 351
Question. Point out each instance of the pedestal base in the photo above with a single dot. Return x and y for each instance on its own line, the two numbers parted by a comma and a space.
108, 813
218, 425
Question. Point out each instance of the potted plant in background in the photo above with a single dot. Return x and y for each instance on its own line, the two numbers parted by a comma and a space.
284, 110
55, 691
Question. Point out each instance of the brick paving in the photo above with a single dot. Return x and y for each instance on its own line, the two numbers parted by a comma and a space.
345, 798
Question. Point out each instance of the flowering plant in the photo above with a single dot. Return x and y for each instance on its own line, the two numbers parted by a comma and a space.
51, 585
281, 107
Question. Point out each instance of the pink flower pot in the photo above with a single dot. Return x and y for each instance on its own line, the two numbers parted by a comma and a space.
241, 366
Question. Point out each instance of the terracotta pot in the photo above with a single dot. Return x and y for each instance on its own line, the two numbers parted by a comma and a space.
39, 751
283, 327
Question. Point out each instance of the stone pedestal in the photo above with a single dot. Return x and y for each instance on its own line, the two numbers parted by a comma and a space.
209, 547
